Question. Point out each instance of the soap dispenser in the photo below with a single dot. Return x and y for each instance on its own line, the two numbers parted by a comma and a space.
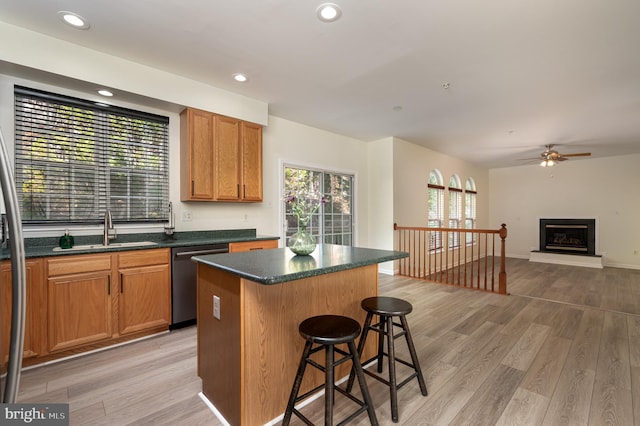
66, 241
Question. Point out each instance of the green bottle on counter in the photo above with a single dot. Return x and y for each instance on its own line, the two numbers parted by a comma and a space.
66, 241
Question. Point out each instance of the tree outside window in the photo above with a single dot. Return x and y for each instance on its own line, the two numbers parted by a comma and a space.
332, 223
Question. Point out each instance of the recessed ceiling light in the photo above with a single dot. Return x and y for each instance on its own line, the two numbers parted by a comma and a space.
105, 92
241, 78
328, 12
73, 19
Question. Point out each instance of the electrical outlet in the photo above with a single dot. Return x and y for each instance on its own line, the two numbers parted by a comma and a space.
216, 307
186, 216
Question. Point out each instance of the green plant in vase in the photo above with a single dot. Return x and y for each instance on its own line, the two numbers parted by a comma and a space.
303, 242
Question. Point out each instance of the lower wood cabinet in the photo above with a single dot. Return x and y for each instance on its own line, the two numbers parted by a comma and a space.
95, 300
145, 291
35, 325
79, 307
252, 245
79, 310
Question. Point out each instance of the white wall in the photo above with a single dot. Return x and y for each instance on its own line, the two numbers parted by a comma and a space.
287, 142
380, 207
283, 142
602, 188
55, 56
412, 164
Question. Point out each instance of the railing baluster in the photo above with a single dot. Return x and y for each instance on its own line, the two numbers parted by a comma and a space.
433, 257
493, 262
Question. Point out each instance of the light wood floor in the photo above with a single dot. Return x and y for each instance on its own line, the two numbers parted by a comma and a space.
562, 349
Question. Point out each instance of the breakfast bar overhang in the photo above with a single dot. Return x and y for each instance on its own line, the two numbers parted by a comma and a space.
249, 307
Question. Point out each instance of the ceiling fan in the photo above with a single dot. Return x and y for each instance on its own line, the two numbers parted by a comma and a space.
550, 156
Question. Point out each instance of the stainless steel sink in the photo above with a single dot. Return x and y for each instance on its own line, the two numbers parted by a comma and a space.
111, 245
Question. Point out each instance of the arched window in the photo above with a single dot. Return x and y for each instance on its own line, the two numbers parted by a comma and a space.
455, 209
436, 207
470, 207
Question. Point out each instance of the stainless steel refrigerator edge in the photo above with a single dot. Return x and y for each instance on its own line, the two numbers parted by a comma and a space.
10, 382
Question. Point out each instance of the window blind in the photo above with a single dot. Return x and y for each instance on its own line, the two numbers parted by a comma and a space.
75, 159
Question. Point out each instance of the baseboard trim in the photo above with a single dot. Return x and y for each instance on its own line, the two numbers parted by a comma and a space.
566, 259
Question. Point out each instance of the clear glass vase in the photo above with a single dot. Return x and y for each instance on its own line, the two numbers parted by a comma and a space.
302, 242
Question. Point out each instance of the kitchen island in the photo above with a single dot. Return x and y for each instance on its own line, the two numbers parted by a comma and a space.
249, 308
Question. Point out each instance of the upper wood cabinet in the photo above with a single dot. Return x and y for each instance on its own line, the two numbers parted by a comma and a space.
221, 158
196, 155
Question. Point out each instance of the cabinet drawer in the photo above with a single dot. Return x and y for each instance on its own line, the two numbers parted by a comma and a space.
252, 245
77, 264
144, 257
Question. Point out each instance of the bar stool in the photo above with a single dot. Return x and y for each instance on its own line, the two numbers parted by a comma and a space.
387, 308
327, 331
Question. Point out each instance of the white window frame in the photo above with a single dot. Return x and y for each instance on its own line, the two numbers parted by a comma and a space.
318, 226
470, 208
435, 216
455, 210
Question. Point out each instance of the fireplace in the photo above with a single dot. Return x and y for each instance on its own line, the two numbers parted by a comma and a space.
570, 236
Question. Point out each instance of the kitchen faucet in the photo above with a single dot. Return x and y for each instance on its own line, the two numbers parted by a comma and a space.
109, 231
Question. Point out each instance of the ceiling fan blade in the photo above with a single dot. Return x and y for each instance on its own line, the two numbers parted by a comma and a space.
580, 154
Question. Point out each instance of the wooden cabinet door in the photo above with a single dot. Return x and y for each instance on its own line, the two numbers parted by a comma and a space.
34, 330
197, 154
252, 245
251, 162
227, 158
145, 298
79, 309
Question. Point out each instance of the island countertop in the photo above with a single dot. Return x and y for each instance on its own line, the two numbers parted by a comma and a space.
281, 265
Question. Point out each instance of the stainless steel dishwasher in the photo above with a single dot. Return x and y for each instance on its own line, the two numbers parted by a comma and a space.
183, 281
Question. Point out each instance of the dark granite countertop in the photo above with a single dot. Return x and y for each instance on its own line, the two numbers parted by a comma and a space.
44, 247
281, 265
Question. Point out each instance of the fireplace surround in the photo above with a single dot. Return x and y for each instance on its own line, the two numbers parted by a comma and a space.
569, 236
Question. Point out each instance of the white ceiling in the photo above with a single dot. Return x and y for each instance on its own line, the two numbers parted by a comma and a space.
521, 73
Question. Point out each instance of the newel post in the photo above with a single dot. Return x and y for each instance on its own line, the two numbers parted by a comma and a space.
502, 278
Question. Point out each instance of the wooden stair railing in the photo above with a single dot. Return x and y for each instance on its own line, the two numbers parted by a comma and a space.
455, 256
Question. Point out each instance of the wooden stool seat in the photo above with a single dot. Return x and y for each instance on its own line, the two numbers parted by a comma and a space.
326, 331
329, 329
387, 308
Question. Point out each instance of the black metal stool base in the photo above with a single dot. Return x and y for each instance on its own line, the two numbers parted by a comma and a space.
387, 308
326, 331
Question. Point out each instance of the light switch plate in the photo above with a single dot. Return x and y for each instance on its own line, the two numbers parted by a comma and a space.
216, 307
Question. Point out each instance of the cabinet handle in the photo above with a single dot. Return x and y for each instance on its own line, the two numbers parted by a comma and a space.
244, 191
192, 188
238, 190
121, 279
108, 285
